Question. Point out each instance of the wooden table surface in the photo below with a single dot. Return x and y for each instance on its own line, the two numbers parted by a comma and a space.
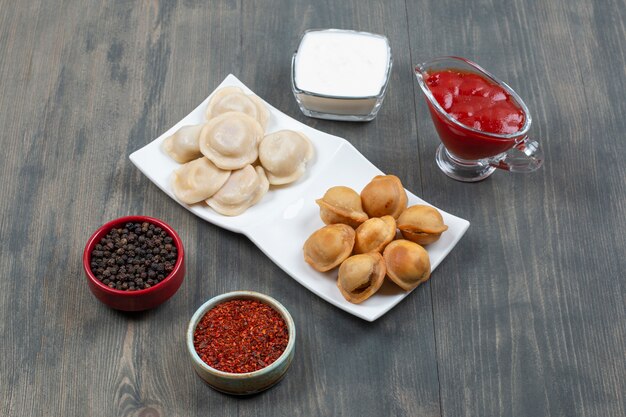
525, 317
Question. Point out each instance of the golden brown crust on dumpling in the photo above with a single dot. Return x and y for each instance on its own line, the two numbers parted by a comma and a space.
341, 205
374, 234
329, 246
421, 224
360, 276
408, 264
384, 195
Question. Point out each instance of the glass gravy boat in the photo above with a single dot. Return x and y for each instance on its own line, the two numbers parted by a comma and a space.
467, 154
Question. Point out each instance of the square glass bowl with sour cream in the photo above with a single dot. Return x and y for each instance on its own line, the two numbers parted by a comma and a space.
341, 74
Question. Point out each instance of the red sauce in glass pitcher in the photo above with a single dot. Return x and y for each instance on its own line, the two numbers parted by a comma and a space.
478, 103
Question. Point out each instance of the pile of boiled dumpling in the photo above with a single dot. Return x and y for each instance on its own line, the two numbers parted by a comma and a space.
371, 252
229, 162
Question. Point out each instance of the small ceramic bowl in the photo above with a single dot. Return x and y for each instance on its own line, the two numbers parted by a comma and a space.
141, 299
250, 382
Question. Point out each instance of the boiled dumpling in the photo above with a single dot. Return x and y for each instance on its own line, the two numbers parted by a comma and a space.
234, 99
284, 155
231, 140
183, 146
197, 180
244, 188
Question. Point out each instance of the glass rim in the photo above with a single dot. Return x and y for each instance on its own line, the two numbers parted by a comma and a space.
420, 69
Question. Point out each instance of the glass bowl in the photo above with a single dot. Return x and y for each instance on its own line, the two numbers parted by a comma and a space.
336, 92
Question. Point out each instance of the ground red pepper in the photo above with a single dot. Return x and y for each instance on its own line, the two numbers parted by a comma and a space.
240, 336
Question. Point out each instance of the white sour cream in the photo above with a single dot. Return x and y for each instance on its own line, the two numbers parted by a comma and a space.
342, 63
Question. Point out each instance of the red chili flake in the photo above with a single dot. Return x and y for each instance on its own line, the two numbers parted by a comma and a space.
240, 336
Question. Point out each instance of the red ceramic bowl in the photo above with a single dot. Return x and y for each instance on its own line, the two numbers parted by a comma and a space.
141, 299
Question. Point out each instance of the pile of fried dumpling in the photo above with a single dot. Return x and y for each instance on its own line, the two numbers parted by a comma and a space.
361, 238
229, 162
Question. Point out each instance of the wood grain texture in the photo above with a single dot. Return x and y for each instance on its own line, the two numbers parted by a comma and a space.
352, 370
530, 319
526, 316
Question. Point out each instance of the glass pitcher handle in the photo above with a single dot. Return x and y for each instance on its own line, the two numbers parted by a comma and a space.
526, 156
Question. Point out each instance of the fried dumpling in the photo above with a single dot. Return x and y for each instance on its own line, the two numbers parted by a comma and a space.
360, 276
284, 155
231, 140
197, 180
408, 264
341, 205
229, 99
421, 224
329, 246
384, 195
374, 234
244, 188
183, 146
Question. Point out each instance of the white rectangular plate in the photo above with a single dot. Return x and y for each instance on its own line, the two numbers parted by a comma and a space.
286, 216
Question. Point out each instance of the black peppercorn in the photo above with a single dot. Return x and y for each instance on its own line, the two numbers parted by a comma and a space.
134, 257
